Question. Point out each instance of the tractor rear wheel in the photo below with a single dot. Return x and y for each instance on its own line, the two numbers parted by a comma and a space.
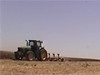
43, 55
30, 56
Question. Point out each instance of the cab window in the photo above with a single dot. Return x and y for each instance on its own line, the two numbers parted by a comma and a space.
31, 44
38, 44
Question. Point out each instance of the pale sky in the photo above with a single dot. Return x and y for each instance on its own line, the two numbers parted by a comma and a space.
71, 28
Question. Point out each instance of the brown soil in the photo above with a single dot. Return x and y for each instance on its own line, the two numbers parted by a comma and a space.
6, 55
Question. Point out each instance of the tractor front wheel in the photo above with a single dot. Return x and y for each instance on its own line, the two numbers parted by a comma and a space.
17, 56
30, 56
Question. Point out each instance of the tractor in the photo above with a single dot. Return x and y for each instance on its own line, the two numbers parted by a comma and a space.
32, 51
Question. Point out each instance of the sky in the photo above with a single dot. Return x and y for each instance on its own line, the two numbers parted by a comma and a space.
71, 28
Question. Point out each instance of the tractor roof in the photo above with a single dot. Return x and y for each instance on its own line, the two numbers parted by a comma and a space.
35, 41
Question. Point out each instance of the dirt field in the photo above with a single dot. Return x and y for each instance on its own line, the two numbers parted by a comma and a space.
8, 66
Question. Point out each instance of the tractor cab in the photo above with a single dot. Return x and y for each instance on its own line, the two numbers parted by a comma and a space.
34, 44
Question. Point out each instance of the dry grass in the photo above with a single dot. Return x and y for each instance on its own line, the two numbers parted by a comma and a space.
47, 67
70, 66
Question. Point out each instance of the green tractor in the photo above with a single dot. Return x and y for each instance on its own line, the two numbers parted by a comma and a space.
33, 51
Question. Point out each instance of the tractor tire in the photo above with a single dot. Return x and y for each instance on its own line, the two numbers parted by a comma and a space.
43, 55
30, 56
17, 56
